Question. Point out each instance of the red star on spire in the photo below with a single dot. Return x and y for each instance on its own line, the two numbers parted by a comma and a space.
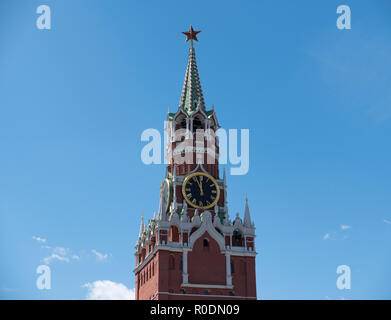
191, 34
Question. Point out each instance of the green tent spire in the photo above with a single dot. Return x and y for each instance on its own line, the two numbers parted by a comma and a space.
192, 96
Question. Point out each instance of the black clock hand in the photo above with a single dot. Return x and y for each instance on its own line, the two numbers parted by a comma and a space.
199, 186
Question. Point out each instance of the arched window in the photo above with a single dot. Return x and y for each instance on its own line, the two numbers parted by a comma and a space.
237, 239
206, 244
197, 124
182, 122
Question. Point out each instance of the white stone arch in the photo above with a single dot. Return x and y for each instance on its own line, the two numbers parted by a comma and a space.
201, 117
207, 225
197, 169
179, 113
199, 111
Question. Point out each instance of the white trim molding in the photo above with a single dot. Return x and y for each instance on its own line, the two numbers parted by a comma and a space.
207, 286
206, 295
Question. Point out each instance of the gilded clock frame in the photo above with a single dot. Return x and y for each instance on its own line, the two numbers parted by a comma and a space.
205, 175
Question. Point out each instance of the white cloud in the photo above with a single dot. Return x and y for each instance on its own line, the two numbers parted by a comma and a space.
38, 239
337, 235
61, 251
387, 221
65, 254
100, 256
108, 290
57, 253
54, 256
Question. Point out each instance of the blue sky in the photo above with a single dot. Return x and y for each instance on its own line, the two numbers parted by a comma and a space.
75, 99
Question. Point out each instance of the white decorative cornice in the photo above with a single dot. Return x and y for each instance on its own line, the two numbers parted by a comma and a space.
174, 219
210, 286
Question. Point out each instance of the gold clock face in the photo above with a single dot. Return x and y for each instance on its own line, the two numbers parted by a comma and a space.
200, 190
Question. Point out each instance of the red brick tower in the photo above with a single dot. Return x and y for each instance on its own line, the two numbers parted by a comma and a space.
192, 250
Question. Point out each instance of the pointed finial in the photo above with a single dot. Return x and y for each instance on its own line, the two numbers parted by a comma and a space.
168, 108
191, 35
141, 226
247, 219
